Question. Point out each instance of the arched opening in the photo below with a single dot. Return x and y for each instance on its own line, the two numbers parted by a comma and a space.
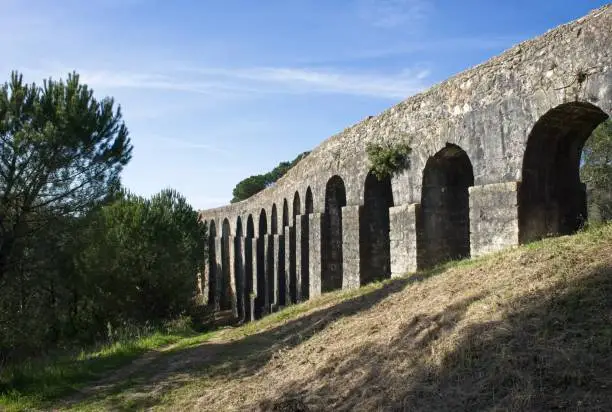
552, 199
272, 277
250, 232
248, 269
274, 221
335, 200
297, 206
293, 262
305, 246
282, 270
239, 269
285, 213
225, 295
309, 201
260, 302
212, 262
374, 243
445, 206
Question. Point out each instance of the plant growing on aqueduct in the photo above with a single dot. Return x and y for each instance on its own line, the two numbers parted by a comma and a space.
387, 159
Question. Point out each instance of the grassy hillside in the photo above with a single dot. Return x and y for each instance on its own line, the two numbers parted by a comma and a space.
526, 329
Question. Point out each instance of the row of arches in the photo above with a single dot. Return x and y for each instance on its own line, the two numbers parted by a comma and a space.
551, 200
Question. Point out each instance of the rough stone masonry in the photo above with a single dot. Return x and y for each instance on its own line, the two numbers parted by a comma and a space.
494, 163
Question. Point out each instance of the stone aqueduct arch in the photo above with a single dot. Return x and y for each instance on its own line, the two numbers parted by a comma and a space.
495, 160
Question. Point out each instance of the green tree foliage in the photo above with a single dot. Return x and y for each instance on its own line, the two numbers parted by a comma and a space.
61, 150
386, 159
61, 153
140, 259
78, 255
255, 184
248, 187
596, 172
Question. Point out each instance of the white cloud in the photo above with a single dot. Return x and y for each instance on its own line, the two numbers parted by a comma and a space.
398, 85
437, 45
260, 81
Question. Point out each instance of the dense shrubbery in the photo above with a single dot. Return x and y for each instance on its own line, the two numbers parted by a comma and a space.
138, 260
79, 257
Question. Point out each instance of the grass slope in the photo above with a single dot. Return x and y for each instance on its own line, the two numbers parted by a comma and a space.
525, 329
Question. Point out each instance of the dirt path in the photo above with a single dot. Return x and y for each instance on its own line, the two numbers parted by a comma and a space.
153, 366
107, 383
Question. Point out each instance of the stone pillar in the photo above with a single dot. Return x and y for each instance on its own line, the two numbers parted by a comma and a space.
239, 259
231, 272
268, 273
211, 273
251, 281
218, 272
404, 222
297, 245
302, 257
278, 265
351, 216
289, 246
260, 275
494, 223
315, 225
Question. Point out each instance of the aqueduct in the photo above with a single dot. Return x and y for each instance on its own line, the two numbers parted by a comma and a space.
494, 163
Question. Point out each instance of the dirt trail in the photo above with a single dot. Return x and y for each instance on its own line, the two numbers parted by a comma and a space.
161, 359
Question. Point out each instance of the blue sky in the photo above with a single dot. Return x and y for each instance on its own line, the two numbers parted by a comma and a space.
215, 91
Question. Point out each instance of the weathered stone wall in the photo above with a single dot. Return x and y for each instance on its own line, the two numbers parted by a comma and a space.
490, 112
493, 217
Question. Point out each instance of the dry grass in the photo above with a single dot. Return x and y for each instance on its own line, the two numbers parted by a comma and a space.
527, 329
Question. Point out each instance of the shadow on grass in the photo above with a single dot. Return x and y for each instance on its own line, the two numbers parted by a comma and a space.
239, 358
552, 350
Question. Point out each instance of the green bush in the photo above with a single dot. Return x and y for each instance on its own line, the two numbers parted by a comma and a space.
387, 160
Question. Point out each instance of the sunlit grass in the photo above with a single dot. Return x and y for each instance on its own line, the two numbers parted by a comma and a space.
31, 384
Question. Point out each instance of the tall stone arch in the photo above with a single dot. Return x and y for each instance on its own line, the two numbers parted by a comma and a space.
212, 263
444, 233
250, 257
239, 270
552, 199
225, 290
261, 303
332, 244
374, 241
295, 236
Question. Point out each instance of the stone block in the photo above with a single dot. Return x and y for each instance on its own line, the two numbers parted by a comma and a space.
218, 272
315, 225
403, 224
493, 217
290, 282
351, 216
239, 277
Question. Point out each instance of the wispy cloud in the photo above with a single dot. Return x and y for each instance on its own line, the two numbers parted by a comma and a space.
437, 45
390, 14
267, 80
